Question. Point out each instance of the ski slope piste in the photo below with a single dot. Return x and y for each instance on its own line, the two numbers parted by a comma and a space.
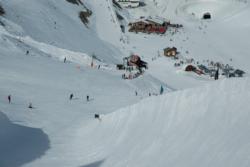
206, 126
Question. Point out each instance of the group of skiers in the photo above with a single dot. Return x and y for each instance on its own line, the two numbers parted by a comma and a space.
71, 96
96, 116
9, 97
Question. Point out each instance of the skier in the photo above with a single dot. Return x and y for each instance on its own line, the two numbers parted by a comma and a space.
30, 106
71, 96
9, 98
27, 52
216, 76
64, 60
136, 93
97, 116
161, 90
87, 97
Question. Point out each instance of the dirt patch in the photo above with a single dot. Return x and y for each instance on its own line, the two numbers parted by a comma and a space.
84, 16
77, 2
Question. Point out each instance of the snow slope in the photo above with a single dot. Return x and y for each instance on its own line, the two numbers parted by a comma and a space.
56, 23
202, 123
206, 126
222, 39
43, 79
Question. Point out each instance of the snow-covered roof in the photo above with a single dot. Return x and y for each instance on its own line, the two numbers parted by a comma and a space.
155, 19
127, 0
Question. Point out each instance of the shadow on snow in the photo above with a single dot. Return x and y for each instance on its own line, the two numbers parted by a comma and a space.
94, 164
20, 144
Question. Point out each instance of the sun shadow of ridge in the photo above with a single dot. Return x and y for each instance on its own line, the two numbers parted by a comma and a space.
20, 144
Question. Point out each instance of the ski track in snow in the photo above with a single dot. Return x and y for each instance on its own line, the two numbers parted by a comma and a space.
59, 53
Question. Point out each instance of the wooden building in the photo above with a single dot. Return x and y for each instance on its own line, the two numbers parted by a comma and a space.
148, 25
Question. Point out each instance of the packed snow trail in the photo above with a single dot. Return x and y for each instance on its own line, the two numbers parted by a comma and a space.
107, 25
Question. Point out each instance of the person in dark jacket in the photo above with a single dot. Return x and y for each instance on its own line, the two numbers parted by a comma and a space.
216, 76
87, 97
30, 106
71, 96
9, 98
97, 116
161, 90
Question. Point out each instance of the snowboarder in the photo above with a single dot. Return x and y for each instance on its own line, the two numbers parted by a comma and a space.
161, 90
87, 97
30, 106
216, 76
9, 98
71, 96
64, 60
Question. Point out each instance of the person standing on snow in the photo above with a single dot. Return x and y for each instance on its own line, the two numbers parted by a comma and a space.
71, 96
97, 116
30, 106
136, 93
64, 60
9, 98
216, 76
87, 97
161, 90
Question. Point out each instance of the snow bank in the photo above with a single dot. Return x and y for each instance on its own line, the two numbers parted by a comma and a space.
208, 126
